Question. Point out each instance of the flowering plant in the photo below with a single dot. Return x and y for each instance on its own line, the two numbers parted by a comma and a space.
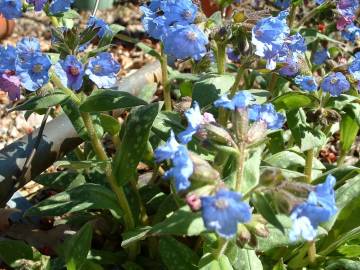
237, 179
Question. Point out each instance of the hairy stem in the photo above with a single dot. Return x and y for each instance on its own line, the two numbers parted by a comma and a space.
221, 247
308, 165
312, 252
165, 80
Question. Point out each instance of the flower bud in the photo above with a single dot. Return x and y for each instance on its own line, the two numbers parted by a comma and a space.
285, 201
243, 236
258, 226
203, 171
217, 134
193, 201
271, 177
257, 132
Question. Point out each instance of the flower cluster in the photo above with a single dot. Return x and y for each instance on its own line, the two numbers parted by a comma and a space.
12, 9
182, 165
318, 208
272, 40
347, 10
28, 67
264, 113
172, 22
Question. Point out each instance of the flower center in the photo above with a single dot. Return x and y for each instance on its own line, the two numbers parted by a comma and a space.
74, 71
310, 82
98, 68
191, 36
334, 80
186, 14
37, 68
221, 204
258, 33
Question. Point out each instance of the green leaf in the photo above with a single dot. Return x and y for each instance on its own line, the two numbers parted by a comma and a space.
147, 92
252, 171
346, 264
353, 110
206, 91
181, 222
266, 210
305, 137
110, 124
61, 180
108, 100
87, 196
138, 234
72, 111
208, 262
340, 102
177, 256
105, 257
350, 251
295, 100
79, 165
349, 128
77, 247
134, 141
42, 102
276, 239
13, 250
148, 50
166, 121
248, 260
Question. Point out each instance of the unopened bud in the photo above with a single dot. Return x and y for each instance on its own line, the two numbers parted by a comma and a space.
194, 202
243, 236
285, 201
271, 177
258, 226
257, 132
203, 171
217, 134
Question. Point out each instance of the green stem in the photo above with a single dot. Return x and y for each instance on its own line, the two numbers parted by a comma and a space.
241, 158
165, 80
292, 15
312, 252
221, 248
238, 79
313, 12
221, 57
308, 165
57, 82
101, 154
341, 159
221, 60
273, 81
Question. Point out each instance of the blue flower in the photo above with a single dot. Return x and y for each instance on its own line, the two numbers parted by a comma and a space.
60, 6
104, 28
318, 208
241, 100
291, 66
222, 213
38, 4
11, 9
354, 68
321, 56
335, 84
153, 24
10, 83
232, 55
282, 4
102, 70
269, 36
182, 165
351, 33
34, 72
71, 72
267, 114
168, 150
27, 47
181, 170
181, 12
296, 44
306, 83
195, 119
182, 42
7, 58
